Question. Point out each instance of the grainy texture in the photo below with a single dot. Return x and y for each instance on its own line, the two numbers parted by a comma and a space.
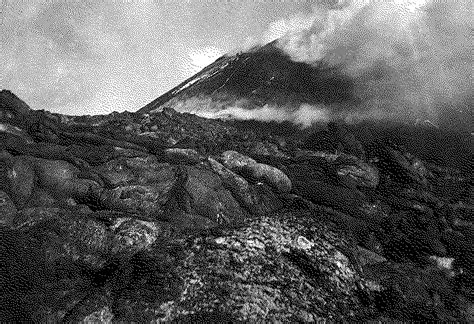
172, 217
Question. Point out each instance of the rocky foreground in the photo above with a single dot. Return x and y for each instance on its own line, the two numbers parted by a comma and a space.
165, 216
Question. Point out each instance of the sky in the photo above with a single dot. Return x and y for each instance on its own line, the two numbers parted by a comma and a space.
95, 57
407, 58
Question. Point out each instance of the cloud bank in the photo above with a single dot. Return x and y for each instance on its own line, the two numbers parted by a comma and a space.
409, 60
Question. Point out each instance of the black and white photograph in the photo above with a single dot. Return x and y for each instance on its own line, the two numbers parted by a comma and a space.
236, 161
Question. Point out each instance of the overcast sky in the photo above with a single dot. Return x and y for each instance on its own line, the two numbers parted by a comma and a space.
90, 57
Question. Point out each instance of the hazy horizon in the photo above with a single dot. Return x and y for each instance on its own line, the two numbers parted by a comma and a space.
409, 59
89, 57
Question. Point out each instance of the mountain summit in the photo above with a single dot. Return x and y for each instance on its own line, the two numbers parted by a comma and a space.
262, 76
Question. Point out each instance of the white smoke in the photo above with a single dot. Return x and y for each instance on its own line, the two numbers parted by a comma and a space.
304, 116
407, 59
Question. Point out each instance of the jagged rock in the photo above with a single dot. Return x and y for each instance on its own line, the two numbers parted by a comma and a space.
351, 170
103, 217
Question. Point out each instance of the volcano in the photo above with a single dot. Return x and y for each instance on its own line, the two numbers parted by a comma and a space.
267, 78
262, 76
164, 215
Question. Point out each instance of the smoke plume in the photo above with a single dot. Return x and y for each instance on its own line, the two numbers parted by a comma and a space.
409, 60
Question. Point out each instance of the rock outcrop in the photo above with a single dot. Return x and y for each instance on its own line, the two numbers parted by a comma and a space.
164, 216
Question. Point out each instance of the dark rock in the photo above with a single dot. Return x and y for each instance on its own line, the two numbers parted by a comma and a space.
393, 163
131, 217
60, 178
132, 235
346, 140
406, 292
353, 171
21, 178
268, 149
209, 198
94, 155
178, 155
7, 209
244, 272
344, 199
235, 161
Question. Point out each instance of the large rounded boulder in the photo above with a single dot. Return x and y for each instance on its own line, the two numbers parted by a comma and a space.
243, 164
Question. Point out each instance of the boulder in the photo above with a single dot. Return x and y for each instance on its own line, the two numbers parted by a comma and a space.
7, 209
132, 235
66, 235
143, 200
210, 199
271, 175
255, 273
254, 198
244, 164
60, 178
235, 161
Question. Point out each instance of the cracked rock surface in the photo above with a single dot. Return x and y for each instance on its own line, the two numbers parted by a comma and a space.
169, 217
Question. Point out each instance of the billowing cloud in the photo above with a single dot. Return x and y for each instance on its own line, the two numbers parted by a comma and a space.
197, 59
408, 59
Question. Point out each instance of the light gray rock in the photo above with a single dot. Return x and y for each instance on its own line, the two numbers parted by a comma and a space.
240, 163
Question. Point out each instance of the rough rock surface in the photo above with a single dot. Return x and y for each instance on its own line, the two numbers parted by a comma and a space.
132, 217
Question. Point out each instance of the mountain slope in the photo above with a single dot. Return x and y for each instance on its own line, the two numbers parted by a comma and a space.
264, 75
170, 216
